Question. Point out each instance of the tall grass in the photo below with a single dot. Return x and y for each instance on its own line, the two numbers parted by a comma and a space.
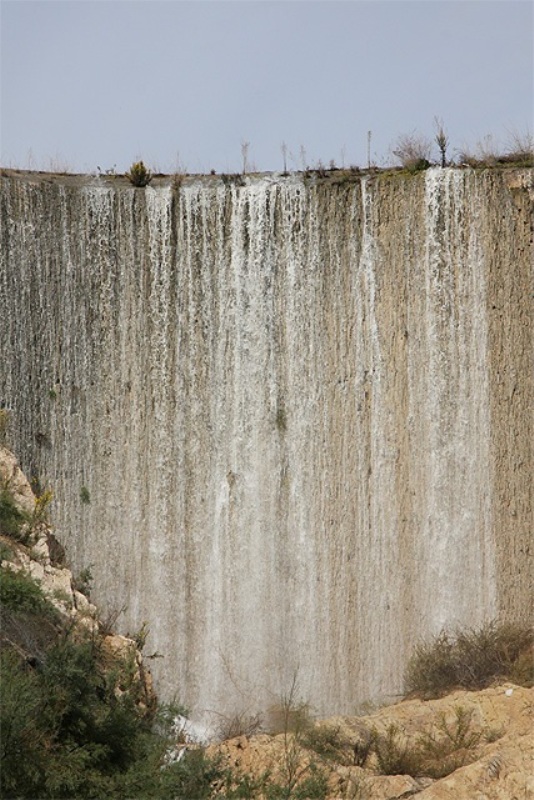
472, 659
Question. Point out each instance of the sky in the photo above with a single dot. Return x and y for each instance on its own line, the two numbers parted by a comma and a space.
186, 84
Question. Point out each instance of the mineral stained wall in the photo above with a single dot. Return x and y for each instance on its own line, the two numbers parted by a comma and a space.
286, 420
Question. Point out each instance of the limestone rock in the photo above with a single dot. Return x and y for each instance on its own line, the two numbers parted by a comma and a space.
137, 677
500, 765
12, 478
40, 549
43, 559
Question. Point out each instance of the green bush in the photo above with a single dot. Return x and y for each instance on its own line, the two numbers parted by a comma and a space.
243, 786
331, 745
450, 746
6, 552
66, 733
419, 165
413, 151
12, 519
42, 501
23, 745
19, 592
192, 777
396, 756
434, 754
83, 582
139, 175
471, 659
76, 738
312, 786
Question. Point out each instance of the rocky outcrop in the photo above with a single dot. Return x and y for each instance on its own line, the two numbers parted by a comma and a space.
13, 479
497, 729
32, 553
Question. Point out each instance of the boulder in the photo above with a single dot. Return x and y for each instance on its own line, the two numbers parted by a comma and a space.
12, 478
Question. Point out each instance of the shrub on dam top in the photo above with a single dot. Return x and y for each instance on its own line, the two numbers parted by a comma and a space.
139, 175
472, 660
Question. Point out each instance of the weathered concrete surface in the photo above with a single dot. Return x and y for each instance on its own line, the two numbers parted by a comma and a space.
299, 409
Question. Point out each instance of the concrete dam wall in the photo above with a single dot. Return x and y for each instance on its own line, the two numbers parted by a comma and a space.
286, 419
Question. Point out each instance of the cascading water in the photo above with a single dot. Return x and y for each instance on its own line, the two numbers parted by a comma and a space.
285, 403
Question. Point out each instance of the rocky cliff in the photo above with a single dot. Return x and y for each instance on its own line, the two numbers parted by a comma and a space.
35, 552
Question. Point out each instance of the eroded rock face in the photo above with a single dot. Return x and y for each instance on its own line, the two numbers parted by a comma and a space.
498, 765
12, 478
32, 554
125, 649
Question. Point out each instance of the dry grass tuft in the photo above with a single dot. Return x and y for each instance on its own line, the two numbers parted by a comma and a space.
472, 660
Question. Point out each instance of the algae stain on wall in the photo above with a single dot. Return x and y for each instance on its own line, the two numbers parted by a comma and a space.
286, 399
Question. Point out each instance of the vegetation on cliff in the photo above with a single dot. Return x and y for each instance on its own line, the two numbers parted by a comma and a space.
78, 718
73, 722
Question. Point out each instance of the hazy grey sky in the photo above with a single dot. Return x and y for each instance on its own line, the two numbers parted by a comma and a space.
103, 83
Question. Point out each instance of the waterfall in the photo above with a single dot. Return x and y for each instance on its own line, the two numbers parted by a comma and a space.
290, 403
